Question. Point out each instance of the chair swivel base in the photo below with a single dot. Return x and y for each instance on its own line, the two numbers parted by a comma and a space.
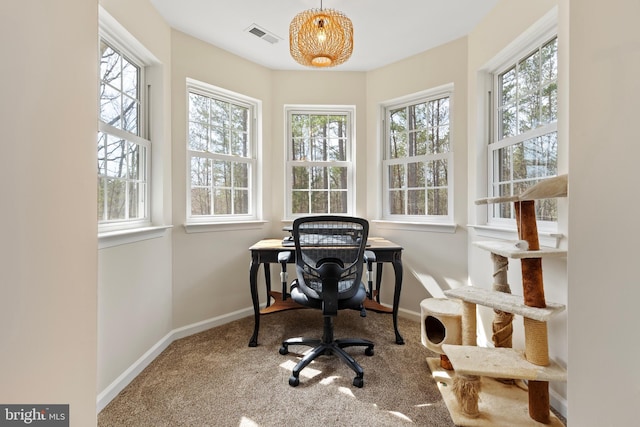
327, 348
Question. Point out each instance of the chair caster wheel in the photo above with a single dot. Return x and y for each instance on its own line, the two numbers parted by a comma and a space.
368, 351
294, 381
357, 382
284, 350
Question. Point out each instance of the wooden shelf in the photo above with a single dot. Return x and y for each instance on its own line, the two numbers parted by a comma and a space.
509, 250
500, 363
504, 302
279, 304
373, 305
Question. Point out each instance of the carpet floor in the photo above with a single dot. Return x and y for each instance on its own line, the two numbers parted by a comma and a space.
214, 378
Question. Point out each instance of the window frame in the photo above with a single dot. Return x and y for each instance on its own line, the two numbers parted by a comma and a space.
254, 107
432, 94
350, 154
129, 49
519, 51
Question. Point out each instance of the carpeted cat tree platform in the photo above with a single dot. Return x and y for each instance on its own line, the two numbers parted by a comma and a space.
499, 404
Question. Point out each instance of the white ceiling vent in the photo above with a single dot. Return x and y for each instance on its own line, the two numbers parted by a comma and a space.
263, 34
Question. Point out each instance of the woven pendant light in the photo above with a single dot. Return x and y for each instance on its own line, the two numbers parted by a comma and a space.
321, 37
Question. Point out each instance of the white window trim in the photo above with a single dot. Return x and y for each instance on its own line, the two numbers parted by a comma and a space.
152, 226
350, 111
120, 44
486, 225
123, 237
416, 226
208, 223
548, 239
435, 223
208, 227
109, 226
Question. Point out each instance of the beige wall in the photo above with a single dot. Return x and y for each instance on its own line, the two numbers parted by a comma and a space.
48, 257
604, 376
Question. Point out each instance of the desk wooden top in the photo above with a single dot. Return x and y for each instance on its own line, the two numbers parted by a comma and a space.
373, 243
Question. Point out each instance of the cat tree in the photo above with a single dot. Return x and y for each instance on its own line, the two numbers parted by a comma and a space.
474, 366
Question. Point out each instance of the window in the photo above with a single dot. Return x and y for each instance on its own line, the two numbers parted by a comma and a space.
418, 158
123, 150
524, 145
319, 160
221, 149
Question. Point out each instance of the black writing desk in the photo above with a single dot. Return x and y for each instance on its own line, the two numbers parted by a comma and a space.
265, 253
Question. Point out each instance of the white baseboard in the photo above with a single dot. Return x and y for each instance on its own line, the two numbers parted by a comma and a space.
409, 314
558, 403
112, 390
195, 328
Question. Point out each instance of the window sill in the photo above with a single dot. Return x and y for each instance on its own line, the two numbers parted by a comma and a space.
546, 238
207, 227
124, 237
416, 226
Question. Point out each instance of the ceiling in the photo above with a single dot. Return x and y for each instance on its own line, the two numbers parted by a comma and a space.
384, 31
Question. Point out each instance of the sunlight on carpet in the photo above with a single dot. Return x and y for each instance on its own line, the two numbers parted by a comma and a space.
423, 405
403, 417
307, 372
329, 380
246, 422
347, 391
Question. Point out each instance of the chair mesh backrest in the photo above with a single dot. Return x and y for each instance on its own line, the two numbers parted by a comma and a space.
330, 239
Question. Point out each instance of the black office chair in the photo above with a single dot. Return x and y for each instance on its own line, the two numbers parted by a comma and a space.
329, 257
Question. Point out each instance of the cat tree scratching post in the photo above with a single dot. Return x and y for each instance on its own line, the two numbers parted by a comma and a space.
502, 320
536, 343
466, 387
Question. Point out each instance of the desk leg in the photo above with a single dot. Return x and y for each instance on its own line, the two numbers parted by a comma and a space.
378, 281
267, 279
253, 283
397, 268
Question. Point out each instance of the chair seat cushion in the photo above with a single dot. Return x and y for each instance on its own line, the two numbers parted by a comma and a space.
355, 302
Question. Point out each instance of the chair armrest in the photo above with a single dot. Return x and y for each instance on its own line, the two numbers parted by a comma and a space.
284, 257
369, 257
